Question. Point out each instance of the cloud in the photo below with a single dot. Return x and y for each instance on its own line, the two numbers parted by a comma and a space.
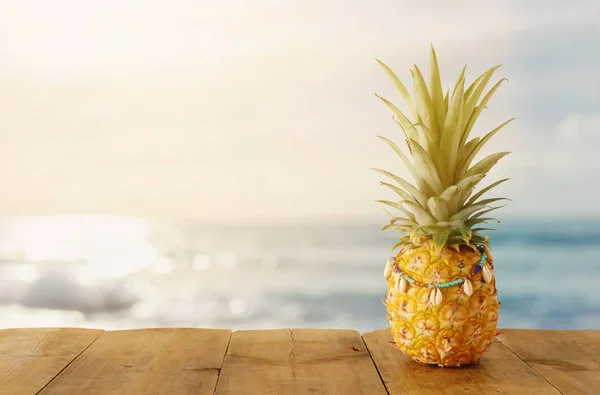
582, 130
555, 173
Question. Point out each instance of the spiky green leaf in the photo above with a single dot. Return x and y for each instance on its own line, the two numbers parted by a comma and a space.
481, 239
446, 98
450, 140
401, 242
484, 165
467, 185
410, 188
450, 192
401, 192
483, 220
427, 141
471, 87
479, 214
458, 224
460, 79
468, 182
466, 212
395, 205
435, 90
479, 108
421, 215
404, 158
492, 200
474, 198
423, 101
439, 240
473, 97
438, 207
477, 147
401, 88
475, 230
407, 126
400, 222
463, 153
426, 170
408, 214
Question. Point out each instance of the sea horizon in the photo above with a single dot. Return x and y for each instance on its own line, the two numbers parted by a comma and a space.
116, 272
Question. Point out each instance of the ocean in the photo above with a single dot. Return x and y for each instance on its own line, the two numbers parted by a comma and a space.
125, 273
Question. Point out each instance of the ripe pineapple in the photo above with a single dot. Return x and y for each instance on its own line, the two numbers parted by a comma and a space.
442, 300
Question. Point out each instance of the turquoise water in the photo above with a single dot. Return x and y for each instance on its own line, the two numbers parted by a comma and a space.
130, 273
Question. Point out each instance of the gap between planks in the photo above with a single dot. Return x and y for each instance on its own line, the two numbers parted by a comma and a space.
222, 362
567, 359
531, 367
498, 372
298, 361
67, 365
31, 358
147, 361
295, 361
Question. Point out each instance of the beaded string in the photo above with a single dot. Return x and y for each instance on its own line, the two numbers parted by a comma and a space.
458, 281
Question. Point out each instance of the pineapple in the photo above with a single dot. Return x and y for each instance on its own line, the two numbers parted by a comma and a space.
442, 300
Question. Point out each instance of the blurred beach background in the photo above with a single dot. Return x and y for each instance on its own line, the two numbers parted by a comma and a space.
206, 164
123, 273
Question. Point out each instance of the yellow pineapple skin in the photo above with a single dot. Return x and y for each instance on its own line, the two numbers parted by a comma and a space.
461, 328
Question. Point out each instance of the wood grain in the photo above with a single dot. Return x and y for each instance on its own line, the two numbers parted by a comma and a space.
298, 361
500, 371
147, 361
569, 360
31, 358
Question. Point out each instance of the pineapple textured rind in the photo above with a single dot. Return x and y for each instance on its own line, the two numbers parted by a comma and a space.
460, 329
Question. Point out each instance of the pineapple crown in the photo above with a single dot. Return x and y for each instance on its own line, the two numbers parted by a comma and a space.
441, 209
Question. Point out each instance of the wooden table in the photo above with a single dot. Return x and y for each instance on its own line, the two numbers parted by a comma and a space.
72, 361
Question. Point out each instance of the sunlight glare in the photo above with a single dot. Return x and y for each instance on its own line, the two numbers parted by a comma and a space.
103, 247
18, 316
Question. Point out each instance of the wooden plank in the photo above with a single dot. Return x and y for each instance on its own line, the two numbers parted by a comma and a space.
499, 371
147, 361
569, 360
31, 358
298, 361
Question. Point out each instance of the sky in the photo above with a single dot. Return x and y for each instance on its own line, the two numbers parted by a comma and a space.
265, 109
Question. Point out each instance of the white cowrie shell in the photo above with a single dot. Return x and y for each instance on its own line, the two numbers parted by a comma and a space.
388, 268
432, 296
487, 274
435, 297
468, 288
438, 297
401, 284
